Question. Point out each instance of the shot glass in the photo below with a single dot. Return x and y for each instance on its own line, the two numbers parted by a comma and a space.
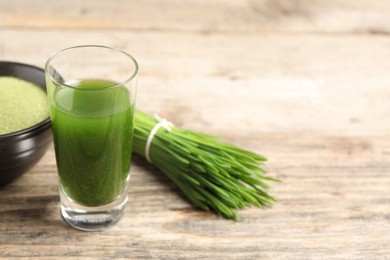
91, 92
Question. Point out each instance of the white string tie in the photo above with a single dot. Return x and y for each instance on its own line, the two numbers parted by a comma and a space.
162, 122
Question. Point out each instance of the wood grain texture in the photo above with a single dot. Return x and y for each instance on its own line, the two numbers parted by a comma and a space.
305, 83
247, 16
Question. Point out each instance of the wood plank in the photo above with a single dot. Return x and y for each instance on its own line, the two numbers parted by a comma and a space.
298, 84
315, 105
330, 206
324, 16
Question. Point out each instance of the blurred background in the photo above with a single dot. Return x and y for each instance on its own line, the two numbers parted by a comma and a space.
304, 82
275, 59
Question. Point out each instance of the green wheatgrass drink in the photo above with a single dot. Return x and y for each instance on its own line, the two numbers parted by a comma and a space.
93, 137
22, 105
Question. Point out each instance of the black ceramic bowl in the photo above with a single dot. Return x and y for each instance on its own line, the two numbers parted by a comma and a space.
21, 150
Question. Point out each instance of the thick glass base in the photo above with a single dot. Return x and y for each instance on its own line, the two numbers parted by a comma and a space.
92, 218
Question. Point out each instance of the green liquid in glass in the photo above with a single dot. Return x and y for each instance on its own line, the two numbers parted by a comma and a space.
93, 129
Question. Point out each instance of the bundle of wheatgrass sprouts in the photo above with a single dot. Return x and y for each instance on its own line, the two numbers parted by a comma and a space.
213, 175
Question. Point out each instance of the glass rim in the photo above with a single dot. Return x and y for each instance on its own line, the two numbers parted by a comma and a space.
133, 75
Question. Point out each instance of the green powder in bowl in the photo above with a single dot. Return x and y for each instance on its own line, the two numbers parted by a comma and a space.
22, 105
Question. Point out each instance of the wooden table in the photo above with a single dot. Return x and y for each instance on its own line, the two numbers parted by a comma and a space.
304, 82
